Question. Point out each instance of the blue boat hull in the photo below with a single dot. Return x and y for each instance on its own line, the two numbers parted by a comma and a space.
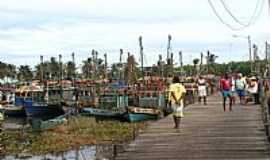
137, 117
14, 112
41, 109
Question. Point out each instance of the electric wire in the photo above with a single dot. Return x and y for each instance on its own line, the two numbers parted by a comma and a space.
252, 18
221, 20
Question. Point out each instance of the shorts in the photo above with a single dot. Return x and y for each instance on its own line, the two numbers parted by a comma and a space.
178, 110
241, 93
226, 93
202, 91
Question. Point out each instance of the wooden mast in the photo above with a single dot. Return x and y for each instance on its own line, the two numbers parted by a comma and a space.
141, 54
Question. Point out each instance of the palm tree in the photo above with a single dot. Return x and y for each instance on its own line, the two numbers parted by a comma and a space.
195, 63
3, 70
54, 69
24, 73
87, 68
70, 70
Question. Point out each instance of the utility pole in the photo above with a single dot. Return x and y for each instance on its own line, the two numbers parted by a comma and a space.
266, 52
141, 54
41, 69
250, 52
255, 55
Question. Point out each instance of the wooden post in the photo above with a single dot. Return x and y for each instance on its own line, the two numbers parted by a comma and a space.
181, 62
121, 65
141, 54
60, 77
169, 60
201, 64
207, 61
105, 65
41, 69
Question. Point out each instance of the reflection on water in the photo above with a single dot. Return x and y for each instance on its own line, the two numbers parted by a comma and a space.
96, 152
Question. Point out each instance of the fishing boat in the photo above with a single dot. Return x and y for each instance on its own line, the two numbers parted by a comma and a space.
41, 104
136, 114
102, 113
39, 124
14, 111
110, 104
14, 103
147, 100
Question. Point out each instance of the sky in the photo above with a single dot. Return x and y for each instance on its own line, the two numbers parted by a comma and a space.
31, 28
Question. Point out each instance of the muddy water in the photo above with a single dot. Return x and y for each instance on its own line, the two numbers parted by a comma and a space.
93, 152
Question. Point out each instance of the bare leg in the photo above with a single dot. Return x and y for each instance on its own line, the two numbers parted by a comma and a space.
224, 103
176, 122
231, 101
204, 99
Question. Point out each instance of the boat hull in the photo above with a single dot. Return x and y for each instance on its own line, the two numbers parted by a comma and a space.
137, 117
15, 112
41, 109
100, 113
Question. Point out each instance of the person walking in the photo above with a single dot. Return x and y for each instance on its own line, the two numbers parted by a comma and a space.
176, 96
240, 85
225, 88
233, 88
201, 83
254, 89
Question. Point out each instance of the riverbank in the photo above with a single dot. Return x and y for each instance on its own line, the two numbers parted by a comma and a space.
78, 131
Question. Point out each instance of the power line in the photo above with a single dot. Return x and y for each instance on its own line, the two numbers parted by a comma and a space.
252, 18
234, 17
221, 20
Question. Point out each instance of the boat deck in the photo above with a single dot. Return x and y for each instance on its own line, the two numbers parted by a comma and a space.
206, 132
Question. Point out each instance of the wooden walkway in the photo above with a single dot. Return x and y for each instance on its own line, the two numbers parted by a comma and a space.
207, 132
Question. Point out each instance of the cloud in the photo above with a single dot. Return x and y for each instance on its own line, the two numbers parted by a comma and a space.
32, 28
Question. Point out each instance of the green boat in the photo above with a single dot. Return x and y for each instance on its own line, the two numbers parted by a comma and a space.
137, 114
104, 113
137, 117
38, 124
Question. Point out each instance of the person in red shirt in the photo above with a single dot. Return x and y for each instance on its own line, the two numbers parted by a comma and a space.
225, 88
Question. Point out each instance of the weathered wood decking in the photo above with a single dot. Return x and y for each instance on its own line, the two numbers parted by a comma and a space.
207, 132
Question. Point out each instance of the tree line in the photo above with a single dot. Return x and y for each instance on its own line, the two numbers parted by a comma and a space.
96, 68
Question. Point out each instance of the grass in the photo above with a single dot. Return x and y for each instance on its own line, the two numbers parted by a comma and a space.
78, 131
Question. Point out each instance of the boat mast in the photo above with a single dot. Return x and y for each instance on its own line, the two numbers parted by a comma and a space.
181, 62
41, 69
61, 77
105, 66
141, 54
169, 59
74, 74
120, 65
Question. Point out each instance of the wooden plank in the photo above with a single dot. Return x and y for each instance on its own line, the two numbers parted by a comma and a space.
207, 132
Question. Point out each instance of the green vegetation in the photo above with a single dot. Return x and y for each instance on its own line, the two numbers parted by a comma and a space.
77, 132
